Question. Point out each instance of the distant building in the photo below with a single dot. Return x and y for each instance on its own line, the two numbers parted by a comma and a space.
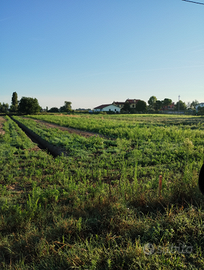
170, 107
119, 104
107, 108
116, 106
132, 102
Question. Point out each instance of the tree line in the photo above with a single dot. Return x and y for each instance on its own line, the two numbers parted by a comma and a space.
28, 105
154, 105
158, 105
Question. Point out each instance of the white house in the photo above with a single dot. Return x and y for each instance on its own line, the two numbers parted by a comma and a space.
107, 108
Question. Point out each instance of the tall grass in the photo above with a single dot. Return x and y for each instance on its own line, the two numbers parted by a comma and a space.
98, 207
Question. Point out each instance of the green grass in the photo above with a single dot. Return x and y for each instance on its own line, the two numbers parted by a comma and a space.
99, 206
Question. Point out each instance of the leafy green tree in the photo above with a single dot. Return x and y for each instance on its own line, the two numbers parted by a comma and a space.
29, 105
180, 106
201, 110
158, 105
53, 109
4, 107
14, 102
194, 104
152, 101
126, 108
167, 102
141, 106
67, 107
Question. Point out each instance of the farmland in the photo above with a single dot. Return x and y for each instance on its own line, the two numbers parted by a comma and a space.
97, 205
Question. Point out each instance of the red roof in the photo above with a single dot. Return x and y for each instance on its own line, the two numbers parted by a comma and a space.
118, 102
102, 106
132, 100
171, 106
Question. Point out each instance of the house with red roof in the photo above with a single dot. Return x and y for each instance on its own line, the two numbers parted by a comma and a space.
132, 102
116, 106
107, 108
170, 107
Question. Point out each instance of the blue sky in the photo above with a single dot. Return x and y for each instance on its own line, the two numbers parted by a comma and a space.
92, 52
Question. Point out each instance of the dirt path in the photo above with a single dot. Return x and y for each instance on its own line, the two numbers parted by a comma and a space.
54, 150
2, 120
70, 130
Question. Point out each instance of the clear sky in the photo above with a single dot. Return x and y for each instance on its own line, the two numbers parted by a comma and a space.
93, 52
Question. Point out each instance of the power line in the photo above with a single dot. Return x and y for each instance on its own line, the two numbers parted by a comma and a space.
193, 2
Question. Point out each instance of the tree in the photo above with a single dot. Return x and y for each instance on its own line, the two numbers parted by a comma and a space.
167, 102
14, 102
29, 105
67, 107
53, 109
180, 106
141, 106
201, 110
194, 104
4, 107
152, 101
158, 105
126, 108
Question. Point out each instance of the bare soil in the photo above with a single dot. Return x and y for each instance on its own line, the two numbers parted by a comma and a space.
70, 130
15, 188
2, 120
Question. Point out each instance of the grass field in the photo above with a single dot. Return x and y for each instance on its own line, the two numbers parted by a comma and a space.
99, 206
